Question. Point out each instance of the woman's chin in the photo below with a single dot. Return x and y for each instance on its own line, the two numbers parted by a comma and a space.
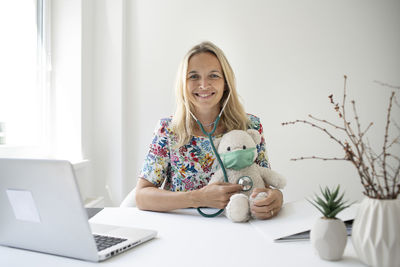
206, 105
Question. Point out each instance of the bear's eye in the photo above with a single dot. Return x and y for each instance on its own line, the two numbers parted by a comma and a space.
228, 148
244, 147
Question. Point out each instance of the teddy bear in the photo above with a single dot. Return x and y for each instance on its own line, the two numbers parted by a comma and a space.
238, 153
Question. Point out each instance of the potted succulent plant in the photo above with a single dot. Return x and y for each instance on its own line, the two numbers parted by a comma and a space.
328, 235
375, 234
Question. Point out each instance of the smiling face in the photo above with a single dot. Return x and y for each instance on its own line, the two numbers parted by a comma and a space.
205, 82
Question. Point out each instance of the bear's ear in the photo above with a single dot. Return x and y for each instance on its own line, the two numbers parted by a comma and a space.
255, 135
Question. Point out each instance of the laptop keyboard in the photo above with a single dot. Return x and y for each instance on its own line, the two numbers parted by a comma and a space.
104, 242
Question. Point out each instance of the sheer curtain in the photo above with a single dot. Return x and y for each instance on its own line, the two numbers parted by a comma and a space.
24, 77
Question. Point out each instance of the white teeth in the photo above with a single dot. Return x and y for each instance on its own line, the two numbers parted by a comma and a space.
204, 95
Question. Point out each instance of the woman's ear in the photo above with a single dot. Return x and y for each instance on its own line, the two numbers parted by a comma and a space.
255, 135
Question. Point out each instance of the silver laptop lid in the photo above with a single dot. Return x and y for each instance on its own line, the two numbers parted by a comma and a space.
41, 209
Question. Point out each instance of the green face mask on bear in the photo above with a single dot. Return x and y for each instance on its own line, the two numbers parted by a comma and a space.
238, 159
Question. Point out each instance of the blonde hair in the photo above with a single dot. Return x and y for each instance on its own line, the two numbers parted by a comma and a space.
233, 117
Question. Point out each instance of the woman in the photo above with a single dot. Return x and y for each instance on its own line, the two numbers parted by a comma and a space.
180, 158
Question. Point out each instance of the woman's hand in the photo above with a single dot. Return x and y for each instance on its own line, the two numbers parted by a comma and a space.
216, 195
268, 207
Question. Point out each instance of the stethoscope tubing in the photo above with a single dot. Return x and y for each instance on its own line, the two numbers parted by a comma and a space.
209, 135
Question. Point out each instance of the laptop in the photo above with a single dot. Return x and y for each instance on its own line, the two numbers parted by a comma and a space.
41, 210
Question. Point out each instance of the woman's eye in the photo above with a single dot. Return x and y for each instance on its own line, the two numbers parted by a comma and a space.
193, 77
228, 148
214, 76
244, 147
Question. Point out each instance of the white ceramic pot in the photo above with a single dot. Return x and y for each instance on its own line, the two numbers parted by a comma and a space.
329, 237
376, 232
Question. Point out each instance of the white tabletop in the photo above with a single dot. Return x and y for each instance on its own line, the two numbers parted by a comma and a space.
187, 239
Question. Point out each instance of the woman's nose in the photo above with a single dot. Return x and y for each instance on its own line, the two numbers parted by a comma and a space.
204, 83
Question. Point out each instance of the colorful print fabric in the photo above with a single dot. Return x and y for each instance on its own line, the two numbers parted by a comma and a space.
191, 166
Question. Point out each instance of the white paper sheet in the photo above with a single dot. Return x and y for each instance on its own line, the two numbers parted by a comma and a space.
295, 217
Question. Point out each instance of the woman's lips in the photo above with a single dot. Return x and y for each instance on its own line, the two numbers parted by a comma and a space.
204, 95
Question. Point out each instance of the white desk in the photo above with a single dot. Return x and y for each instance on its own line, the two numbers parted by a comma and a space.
187, 239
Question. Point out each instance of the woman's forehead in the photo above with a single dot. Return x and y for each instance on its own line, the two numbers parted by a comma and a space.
203, 61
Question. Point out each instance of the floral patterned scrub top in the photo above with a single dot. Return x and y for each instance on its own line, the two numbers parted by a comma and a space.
191, 166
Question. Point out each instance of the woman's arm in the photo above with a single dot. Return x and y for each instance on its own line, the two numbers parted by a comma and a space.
217, 195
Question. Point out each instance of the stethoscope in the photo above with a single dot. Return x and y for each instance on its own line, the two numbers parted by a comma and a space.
245, 181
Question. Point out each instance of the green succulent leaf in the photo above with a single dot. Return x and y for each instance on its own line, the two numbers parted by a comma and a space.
324, 193
322, 204
337, 202
334, 195
336, 211
316, 206
330, 204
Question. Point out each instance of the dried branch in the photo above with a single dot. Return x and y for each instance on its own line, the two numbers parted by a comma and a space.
396, 125
396, 103
387, 85
396, 175
327, 122
374, 169
393, 156
316, 126
314, 157
372, 161
353, 103
386, 141
366, 129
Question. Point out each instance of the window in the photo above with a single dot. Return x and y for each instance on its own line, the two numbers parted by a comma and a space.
24, 74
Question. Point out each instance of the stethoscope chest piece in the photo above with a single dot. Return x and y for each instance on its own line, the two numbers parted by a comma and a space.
246, 182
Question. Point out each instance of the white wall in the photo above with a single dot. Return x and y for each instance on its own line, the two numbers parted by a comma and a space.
103, 86
288, 57
70, 86
66, 78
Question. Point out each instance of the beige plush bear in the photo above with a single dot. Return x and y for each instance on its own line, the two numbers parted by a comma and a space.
238, 153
